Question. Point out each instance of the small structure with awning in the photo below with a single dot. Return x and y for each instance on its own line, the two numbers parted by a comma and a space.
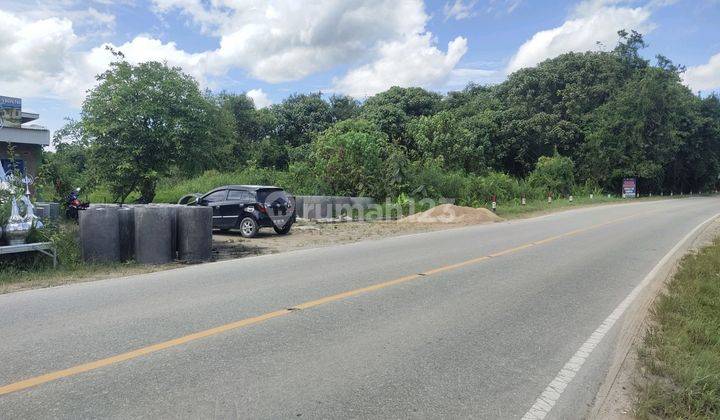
26, 139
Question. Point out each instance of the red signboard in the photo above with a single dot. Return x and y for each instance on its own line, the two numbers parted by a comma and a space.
629, 188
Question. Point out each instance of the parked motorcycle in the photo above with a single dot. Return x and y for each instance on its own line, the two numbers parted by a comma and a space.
74, 205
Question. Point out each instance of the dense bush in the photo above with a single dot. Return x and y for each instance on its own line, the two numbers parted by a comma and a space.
349, 158
553, 175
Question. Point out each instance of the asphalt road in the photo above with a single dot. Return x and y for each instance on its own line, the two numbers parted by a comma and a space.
495, 314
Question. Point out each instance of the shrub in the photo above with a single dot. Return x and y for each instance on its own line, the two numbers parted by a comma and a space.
348, 158
479, 190
428, 179
553, 175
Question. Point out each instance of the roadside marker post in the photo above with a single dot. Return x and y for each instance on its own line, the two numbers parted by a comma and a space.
592, 196
494, 203
570, 198
522, 200
549, 198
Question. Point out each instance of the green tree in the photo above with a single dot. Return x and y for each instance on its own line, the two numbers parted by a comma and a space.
343, 107
145, 120
299, 117
640, 131
553, 175
66, 168
393, 109
348, 158
443, 134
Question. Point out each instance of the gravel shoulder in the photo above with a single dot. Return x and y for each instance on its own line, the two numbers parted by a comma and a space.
311, 235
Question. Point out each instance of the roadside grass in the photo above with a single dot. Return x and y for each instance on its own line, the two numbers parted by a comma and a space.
43, 275
679, 358
515, 210
34, 270
170, 190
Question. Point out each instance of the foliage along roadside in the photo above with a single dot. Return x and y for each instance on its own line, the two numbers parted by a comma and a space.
600, 116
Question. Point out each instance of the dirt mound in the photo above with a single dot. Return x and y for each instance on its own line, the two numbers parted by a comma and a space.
450, 213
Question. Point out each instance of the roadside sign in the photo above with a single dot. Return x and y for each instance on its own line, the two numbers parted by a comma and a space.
10, 111
629, 188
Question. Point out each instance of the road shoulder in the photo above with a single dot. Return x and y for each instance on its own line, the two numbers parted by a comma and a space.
616, 396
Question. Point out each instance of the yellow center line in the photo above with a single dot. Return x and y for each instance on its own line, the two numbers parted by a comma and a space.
75, 370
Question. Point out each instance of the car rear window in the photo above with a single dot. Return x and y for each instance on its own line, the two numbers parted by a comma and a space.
240, 195
273, 194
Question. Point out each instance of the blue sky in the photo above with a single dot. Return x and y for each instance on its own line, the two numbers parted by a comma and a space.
274, 48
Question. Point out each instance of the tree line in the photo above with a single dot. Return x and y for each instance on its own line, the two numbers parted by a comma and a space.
577, 121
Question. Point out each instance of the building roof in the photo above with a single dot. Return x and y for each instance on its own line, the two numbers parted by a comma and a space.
29, 116
25, 135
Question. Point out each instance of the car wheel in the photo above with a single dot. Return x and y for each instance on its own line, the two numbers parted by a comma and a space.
248, 227
284, 230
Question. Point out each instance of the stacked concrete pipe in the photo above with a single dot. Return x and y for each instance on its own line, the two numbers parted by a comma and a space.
99, 234
126, 216
323, 206
154, 234
194, 233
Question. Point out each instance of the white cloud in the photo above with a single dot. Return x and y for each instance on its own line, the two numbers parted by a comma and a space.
382, 42
459, 9
592, 22
283, 40
259, 97
705, 76
412, 62
35, 54
83, 14
464, 9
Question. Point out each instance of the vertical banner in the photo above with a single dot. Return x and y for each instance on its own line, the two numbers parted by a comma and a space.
629, 188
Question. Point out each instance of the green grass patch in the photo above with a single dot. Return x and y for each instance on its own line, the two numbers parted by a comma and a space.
514, 209
680, 355
33, 270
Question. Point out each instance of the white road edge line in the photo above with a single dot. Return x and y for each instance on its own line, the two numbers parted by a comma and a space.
546, 401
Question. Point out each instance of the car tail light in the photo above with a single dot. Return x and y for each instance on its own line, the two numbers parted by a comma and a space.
261, 208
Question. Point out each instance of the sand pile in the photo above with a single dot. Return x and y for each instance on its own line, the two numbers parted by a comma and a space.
449, 213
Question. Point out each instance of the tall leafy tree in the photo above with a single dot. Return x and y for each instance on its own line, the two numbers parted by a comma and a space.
456, 140
300, 116
348, 158
393, 109
144, 121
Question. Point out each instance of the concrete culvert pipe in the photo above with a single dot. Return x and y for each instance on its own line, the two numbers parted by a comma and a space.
173, 208
153, 234
194, 233
126, 216
99, 234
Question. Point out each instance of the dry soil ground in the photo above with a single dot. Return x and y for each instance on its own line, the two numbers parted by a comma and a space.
310, 234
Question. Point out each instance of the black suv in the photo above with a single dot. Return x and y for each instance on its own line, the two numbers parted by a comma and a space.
249, 208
